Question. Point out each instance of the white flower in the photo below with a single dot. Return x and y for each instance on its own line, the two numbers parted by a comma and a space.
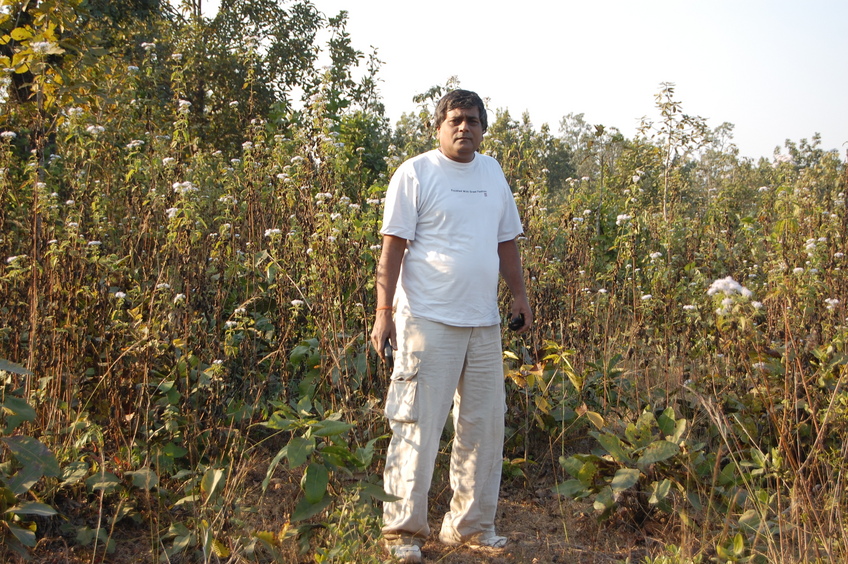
655, 255
831, 303
757, 305
132, 68
759, 366
297, 303
335, 216
272, 232
10, 260
42, 47
247, 145
135, 144
234, 104
797, 270
373, 201
728, 286
69, 202
169, 161
163, 286
763, 189
9, 135
647, 297
622, 219
240, 311
95, 129
230, 324
602, 291
94, 243
218, 361
690, 307
183, 187
148, 46
172, 212
577, 219
353, 206
585, 179
179, 298
177, 56
375, 247
838, 255
120, 295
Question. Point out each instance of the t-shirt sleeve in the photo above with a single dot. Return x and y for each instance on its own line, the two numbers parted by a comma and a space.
510, 224
400, 215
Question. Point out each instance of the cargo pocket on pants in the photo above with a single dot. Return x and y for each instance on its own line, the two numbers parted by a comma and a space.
401, 404
402, 396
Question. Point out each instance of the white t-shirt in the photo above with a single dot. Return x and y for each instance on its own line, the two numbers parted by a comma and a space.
453, 215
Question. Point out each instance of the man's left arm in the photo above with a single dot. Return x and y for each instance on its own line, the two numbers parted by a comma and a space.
513, 274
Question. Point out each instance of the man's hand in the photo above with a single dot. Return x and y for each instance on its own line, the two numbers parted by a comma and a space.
510, 267
520, 307
383, 331
388, 270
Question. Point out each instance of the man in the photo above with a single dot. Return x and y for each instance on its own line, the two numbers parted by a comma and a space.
449, 227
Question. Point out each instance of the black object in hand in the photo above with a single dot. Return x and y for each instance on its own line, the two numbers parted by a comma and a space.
388, 354
516, 323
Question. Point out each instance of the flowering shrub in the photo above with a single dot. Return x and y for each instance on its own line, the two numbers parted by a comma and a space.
189, 276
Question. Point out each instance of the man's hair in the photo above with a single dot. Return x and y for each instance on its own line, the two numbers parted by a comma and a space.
463, 99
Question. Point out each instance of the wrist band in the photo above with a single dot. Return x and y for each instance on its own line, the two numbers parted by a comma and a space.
385, 307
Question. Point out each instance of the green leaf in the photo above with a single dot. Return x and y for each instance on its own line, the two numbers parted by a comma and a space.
16, 410
305, 510
329, 428
299, 450
74, 472
279, 423
377, 492
25, 478
32, 508
666, 422
679, 429
25, 536
604, 500
21, 34
624, 478
212, 481
659, 491
595, 418
105, 481
750, 521
657, 452
341, 454
315, 481
573, 489
587, 473
738, 545
572, 465
144, 478
31, 452
273, 466
612, 445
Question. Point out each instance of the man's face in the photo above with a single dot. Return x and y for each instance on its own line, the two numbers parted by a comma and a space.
460, 134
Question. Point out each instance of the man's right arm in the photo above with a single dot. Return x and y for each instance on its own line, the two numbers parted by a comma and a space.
388, 271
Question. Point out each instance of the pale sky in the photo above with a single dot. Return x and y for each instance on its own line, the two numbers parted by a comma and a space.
776, 69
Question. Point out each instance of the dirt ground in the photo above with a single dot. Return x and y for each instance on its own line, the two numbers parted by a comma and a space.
545, 529
542, 528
